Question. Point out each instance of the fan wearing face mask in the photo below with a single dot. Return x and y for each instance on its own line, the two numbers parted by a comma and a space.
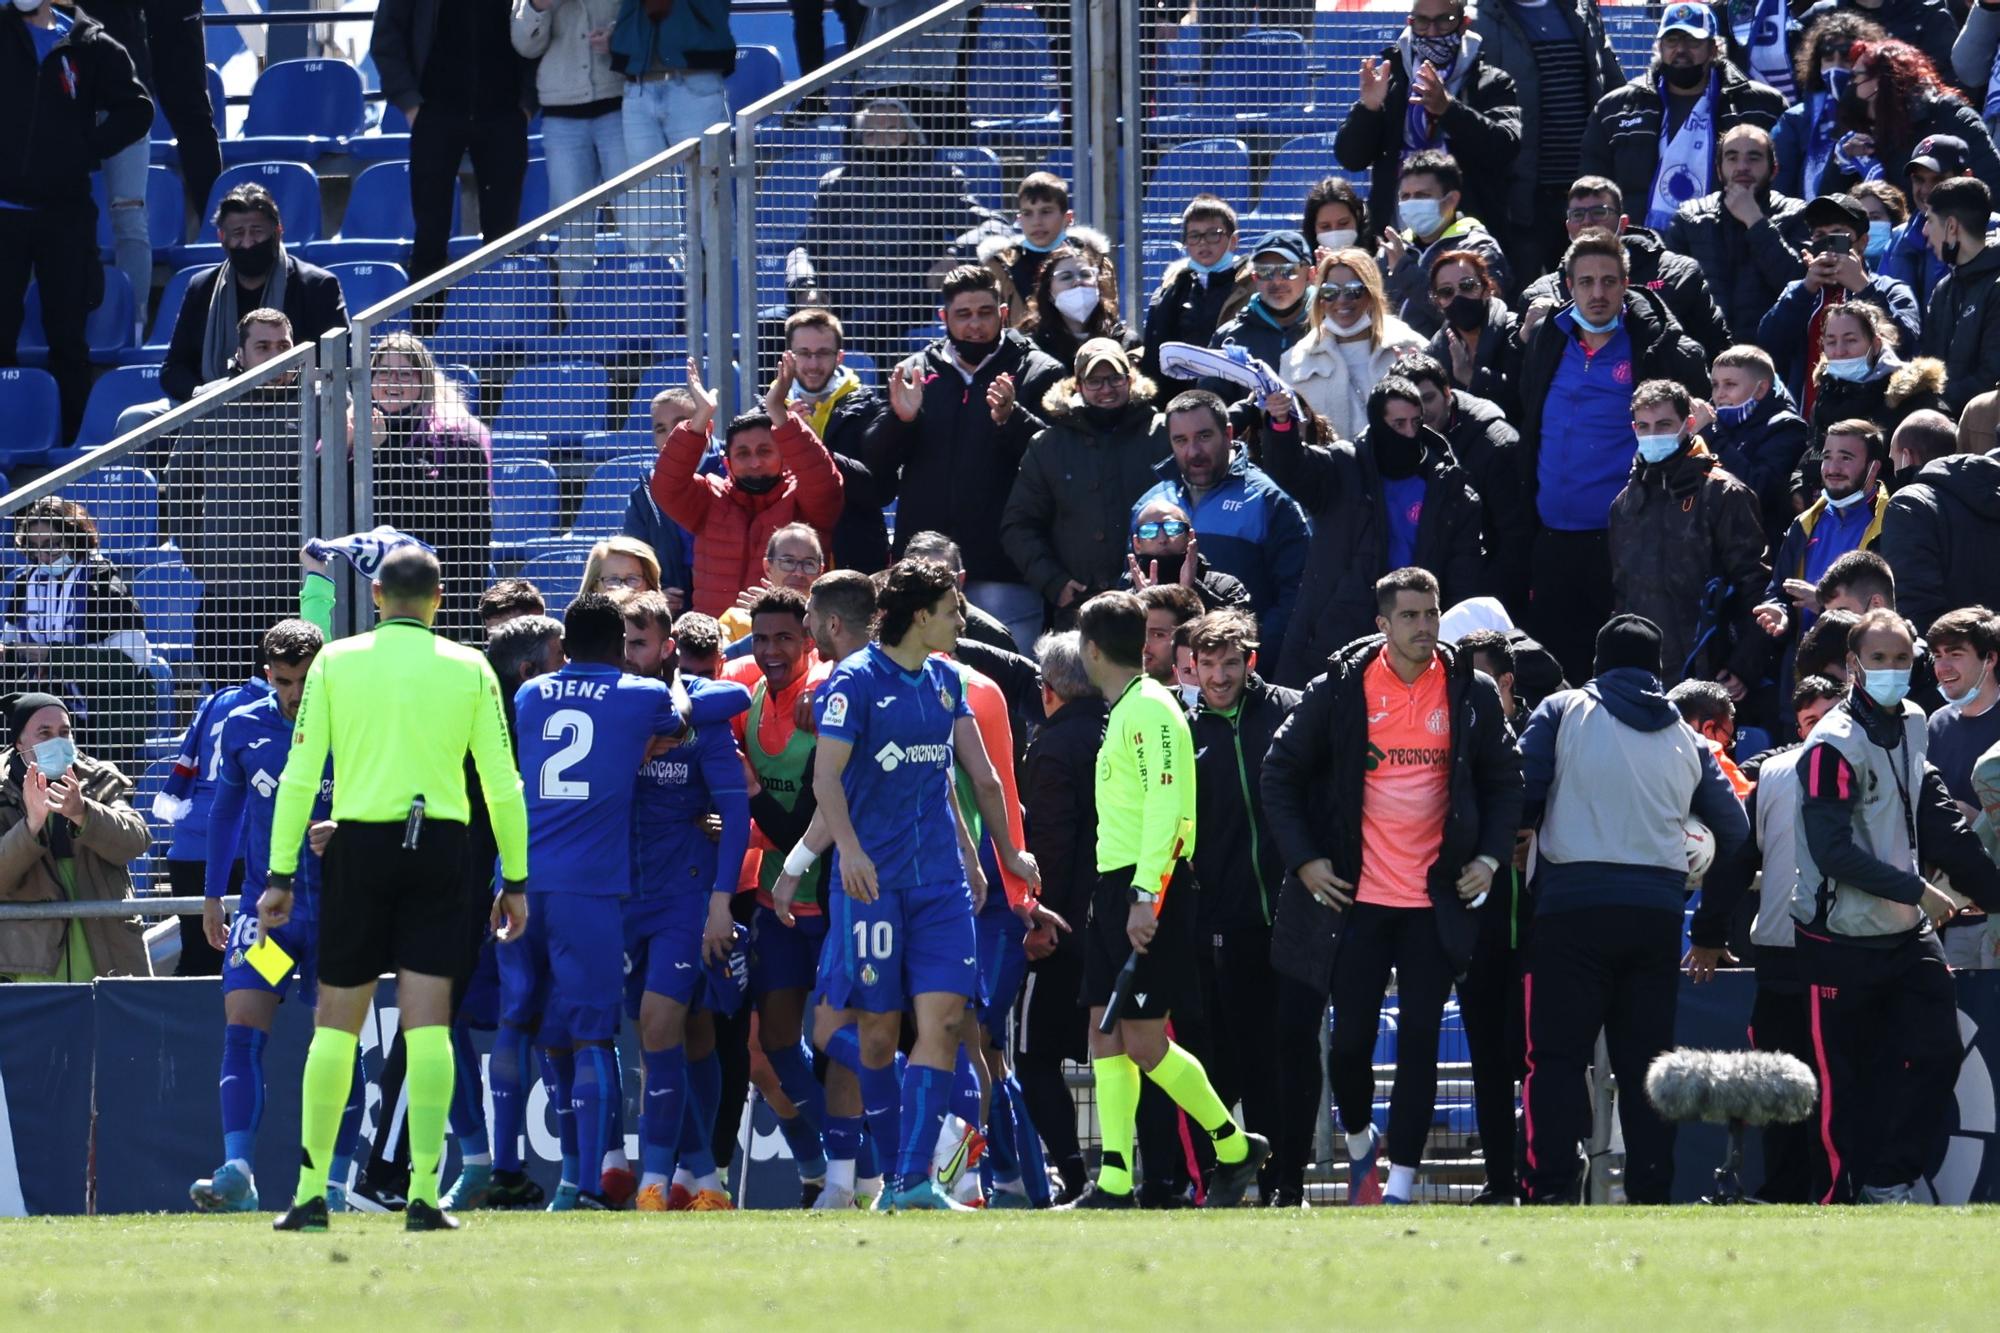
1836, 269
1352, 343
67, 831
1075, 299
1477, 340
1431, 221
1686, 542
69, 595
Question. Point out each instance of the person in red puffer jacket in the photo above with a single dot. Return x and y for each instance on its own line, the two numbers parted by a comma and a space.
778, 473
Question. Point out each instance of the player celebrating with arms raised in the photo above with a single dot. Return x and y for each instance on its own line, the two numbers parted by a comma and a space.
890, 724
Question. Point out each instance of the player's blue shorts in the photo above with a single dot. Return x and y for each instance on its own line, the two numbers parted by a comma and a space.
907, 942
523, 966
663, 947
784, 957
481, 1006
299, 938
1003, 965
567, 968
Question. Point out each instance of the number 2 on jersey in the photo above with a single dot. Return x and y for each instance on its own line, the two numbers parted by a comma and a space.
579, 729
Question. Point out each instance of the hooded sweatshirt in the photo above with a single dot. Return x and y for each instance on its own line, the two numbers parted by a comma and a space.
1614, 774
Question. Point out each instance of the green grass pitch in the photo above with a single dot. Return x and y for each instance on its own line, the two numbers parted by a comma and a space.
1574, 1269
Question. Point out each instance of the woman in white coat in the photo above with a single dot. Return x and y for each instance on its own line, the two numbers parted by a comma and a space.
1352, 342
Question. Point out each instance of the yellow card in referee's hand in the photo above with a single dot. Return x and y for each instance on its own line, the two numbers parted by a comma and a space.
271, 961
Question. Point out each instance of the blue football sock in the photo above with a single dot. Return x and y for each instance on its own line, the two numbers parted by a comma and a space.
508, 1071
1002, 1163
698, 1124
844, 1048
882, 1107
242, 1089
965, 1090
843, 1137
1027, 1142
926, 1092
867, 1163
589, 1098
350, 1126
793, 1066
663, 1111
468, 1096
558, 1071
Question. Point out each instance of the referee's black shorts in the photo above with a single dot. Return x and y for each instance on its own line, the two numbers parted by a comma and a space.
383, 909
1166, 972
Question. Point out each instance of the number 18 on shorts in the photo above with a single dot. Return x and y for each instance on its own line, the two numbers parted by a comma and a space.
906, 943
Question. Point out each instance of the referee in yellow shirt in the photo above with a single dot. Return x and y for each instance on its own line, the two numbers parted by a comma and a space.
1141, 909
397, 709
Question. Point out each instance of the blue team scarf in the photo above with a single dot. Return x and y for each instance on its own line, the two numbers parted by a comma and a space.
364, 550
1420, 128
1686, 156
1992, 107
1823, 115
1762, 37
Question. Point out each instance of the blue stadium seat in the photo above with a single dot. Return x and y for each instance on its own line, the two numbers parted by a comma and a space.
558, 571
125, 504
760, 71
1220, 167
294, 186
166, 150
863, 366
369, 284
300, 110
465, 377
161, 332
169, 595
107, 330
497, 311
773, 28
115, 391
534, 203
563, 401
606, 494
785, 190
32, 409
166, 212
525, 497
1296, 167
378, 224
388, 141
629, 307
1011, 90
513, 446
1256, 84
981, 169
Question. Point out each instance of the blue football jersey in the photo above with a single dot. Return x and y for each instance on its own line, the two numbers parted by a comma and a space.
898, 780
676, 791
193, 777
250, 753
582, 734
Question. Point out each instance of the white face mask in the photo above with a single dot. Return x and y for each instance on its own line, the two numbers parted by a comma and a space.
1960, 700
1334, 329
1339, 238
1078, 303
27, 6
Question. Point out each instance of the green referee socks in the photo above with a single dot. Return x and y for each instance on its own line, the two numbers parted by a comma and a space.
1117, 1120
429, 1081
329, 1076
1182, 1078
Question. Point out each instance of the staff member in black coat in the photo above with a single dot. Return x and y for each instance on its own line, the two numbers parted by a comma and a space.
1058, 796
70, 99
1393, 791
1240, 872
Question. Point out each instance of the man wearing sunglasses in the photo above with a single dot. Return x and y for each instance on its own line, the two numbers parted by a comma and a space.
1164, 551
1281, 311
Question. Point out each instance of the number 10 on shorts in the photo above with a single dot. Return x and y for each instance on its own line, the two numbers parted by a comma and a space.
875, 940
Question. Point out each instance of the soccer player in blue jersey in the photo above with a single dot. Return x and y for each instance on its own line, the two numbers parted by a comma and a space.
891, 723
678, 916
584, 732
183, 804
248, 753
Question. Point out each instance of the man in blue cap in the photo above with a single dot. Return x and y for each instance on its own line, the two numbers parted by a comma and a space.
1278, 315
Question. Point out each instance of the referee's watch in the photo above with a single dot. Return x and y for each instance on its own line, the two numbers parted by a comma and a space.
278, 881
1139, 897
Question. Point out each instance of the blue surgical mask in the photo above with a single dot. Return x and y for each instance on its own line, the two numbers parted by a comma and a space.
1576, 313
1960, 700
1735, 414
1217, 267
1880, 231
1853, 369
1027, 244
54, 756
1420, 217
1886, 685
1658, 448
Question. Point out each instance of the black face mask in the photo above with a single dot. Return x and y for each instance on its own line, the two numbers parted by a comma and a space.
1104, 418
1854, 107
1685, 77
756, 485
1466, 313
254, 261
1170, 566
1397, 456
972, 353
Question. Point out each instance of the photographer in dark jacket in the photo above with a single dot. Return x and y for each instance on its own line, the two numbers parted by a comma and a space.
1058, 796
1240, 871
70, 99
1393, 792
1395, 497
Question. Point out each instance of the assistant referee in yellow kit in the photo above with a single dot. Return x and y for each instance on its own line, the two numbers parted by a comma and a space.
397, 709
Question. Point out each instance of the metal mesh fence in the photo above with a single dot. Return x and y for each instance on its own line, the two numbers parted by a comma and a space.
859, 187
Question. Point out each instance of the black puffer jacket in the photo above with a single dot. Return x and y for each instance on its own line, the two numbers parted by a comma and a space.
1962, 329
1236, 859
1313, 781
1341, 491
1660, 350
952, 467
1942, 537
1763, 452
1677, 527
1496, 361
1622, 139
1481, 128
1069, 514
1675, 279
1059, 798
1188, 310
1747, 266
1488, 447
65, 114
